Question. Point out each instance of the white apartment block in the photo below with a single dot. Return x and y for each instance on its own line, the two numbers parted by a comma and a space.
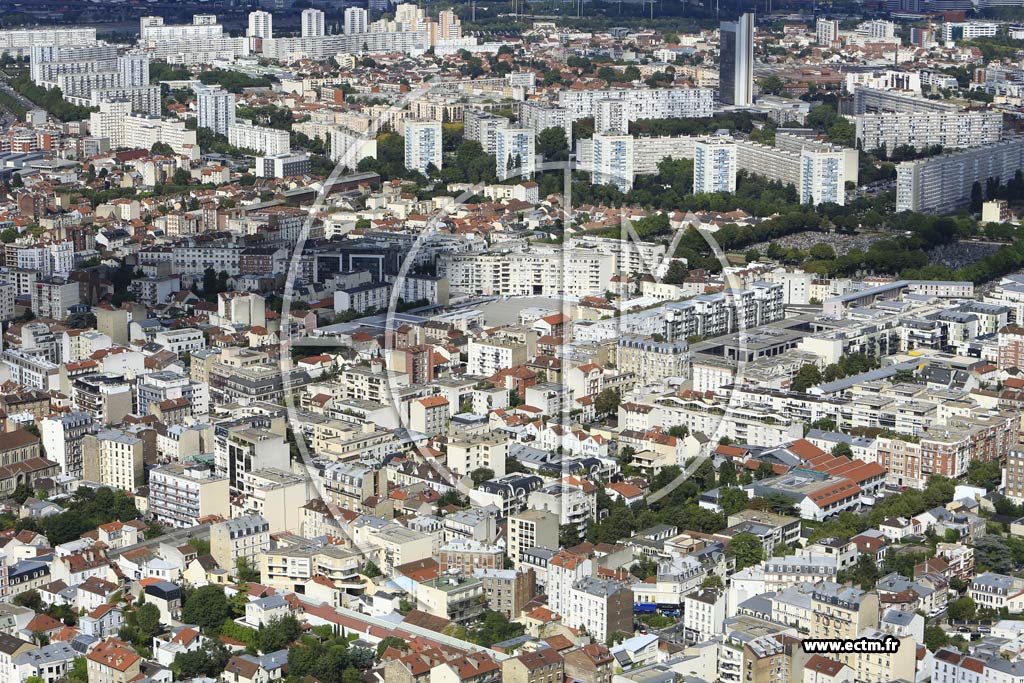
644, 103
19, 42
322, 47
115, 122
944, 183
714, 166
612, 161
826, 31
953, 31
538, 116
422, 145
312, 23
269, 141
483, 126
201, 42
261, 25
612, 117
574, 272
215, 109
948, 129
54, 298
819, 175
467, 453
349, 147
514, 152
356, 20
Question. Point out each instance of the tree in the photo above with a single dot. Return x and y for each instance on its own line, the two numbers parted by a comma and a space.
771, 85
727, 473
147, 620
822, 252
865, 572
962, 609
733, 500
480, 475
181, 177
208, 661
277, 634
676, 274
552, 143
747, 549
494, 627
935, 637
244, 571
607, 402
713, 581
842, 450
391, 641
30, 599
764, 470
808, 376
371, 571
206, 607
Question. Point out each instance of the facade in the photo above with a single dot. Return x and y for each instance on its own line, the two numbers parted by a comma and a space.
514, 153
180, 494
422, 145
269, 141
245, 537
613, 161
215, 109
736, 61
946, 182
644, 103
924, 129
714, 166
261, 25
312, 22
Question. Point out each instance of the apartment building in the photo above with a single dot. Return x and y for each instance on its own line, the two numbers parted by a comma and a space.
613, 161
602, 606
483, 126
349, 484
291, 568
945, 183
514, 153
464, 454
454, 596
574, 272
531, 528
269, 141
651, 361
19, 42
113, 458
62, 439
819, 175
876, 100
422, 145
115, 122
55, 297
924, 129
243, 537
644, 103
703, 614
276, 495
215, 109
182, 493
538, 116
714, 166
842, 612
